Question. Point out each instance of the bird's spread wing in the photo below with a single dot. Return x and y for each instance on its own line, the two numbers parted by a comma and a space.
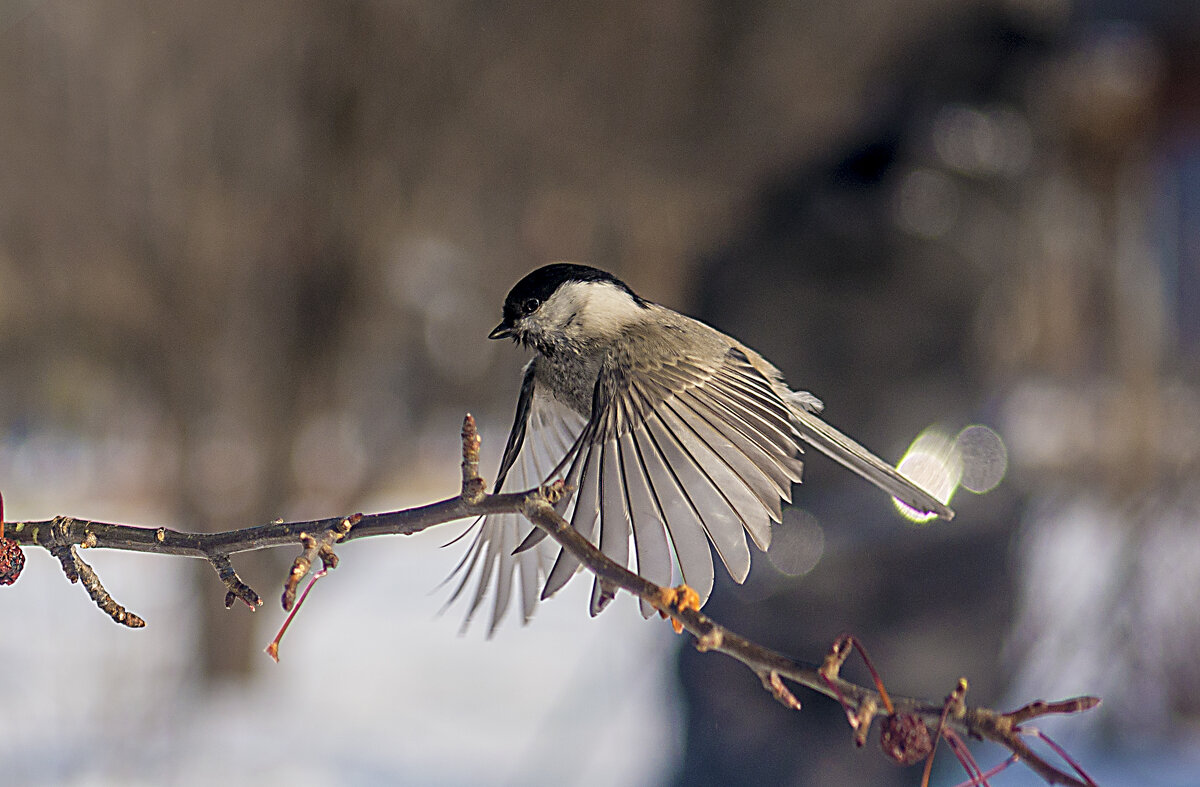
543, 432
708, 453
676, 454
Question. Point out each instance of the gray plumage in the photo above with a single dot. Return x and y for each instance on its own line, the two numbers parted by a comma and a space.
668, 430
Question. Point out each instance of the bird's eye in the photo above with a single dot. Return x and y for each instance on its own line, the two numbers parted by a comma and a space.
530, 305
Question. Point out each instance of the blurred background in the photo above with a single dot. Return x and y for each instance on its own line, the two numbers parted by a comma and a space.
249, 253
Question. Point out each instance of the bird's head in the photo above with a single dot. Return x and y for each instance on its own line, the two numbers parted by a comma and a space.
563, 304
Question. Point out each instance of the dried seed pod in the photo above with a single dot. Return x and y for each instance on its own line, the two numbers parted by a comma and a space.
12, 560
905, 738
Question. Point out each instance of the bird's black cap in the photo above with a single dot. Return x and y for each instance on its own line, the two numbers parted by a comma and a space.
537, 286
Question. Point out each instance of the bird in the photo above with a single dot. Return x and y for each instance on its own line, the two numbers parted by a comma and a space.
666, 431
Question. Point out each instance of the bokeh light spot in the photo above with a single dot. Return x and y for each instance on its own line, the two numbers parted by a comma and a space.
973, 141
984, 458
797, 543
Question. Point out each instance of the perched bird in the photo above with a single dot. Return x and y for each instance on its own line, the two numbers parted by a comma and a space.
664, 427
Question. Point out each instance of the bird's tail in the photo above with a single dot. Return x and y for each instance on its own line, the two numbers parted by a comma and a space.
845, 451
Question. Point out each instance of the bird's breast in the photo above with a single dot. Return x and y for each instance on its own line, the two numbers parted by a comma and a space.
570, 374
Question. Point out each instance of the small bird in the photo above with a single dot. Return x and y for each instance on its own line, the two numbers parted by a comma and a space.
665, 429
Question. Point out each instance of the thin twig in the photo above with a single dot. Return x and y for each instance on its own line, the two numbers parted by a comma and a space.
474, 488
273, 648
235, 588
91, 583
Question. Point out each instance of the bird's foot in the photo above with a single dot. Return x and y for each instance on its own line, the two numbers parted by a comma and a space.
678, 599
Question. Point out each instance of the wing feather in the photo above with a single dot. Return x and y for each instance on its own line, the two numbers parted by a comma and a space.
542, 434
721, 523
771, 429
615, 523
490, 545
584, 518
649, 535
714, 456
763, 471
465, 567
683, 524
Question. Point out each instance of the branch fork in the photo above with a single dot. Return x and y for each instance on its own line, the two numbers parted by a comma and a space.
235, 588
315, 548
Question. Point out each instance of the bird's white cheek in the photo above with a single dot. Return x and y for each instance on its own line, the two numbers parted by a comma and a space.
606, 309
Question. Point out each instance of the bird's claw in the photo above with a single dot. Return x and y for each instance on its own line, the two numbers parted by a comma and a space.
678, 599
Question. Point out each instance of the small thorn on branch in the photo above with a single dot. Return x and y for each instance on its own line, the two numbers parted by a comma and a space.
779, 690
234, 586
91, 582
474, 488
955, 703
831, 666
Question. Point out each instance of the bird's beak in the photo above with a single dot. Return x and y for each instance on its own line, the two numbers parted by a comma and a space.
501, 331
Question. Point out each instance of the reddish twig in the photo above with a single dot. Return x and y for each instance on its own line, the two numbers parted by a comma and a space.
1061, 752
273, 648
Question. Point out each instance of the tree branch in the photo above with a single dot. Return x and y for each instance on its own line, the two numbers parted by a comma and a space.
861, 702
62, 535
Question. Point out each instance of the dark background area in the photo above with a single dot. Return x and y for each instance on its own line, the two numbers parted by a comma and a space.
249, 253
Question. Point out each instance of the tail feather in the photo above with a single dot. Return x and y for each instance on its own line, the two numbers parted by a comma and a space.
850, 454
